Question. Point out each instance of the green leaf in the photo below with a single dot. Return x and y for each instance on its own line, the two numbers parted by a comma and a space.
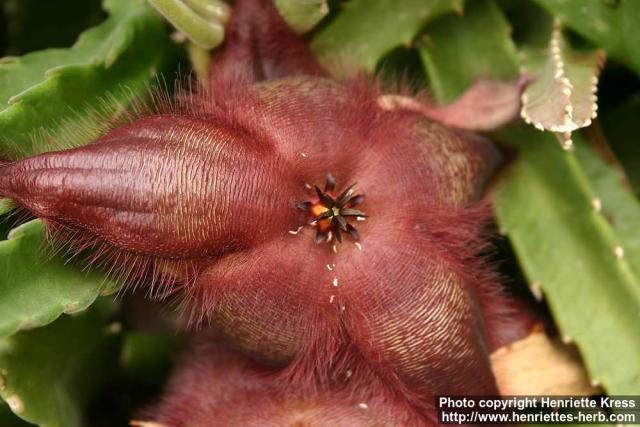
302, 15
35, 287
50, 374
46, 93
366, 30
568, 248
562, 97
615, 200
457, 50
612, 25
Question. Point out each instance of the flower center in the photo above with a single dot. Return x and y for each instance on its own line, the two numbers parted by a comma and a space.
331, 214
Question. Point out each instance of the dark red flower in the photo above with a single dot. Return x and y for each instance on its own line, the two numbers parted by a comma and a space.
214, 386
205, 199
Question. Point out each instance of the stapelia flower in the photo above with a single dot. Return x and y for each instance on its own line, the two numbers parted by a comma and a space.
213, 385
322, 227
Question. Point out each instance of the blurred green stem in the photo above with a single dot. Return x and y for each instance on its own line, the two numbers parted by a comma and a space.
200, 60
211, 10
302, 15
206, 34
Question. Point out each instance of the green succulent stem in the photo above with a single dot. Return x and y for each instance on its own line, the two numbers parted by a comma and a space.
211, 10
205, 33
562, 97
365, 31
200, 61
302, 15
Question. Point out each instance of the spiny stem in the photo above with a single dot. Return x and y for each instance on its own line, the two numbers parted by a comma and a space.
563, 97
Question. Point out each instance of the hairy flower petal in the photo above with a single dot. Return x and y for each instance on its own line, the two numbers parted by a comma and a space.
171, 186
214, 386
260, 46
